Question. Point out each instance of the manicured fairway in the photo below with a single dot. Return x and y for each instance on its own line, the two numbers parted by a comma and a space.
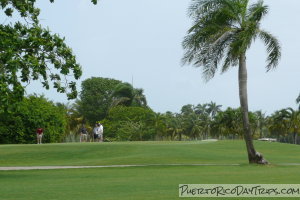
131, 183
221, 152
152, 182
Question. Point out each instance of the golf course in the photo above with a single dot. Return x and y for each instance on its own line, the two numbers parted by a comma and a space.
95, 103
154, 169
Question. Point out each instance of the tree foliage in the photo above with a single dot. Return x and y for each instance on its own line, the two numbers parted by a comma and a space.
130, 123
285, 122
96, 98
33, 112
222, 30
99, 95
123, 94
230, 123
30, 52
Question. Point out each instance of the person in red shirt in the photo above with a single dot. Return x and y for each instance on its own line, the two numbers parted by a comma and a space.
39, 135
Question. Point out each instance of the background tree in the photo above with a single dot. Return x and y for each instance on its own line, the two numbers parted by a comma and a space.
193, 126
223, 30
229, 123
201, 109
30, 52
33, 112
129, 123
277, 126
123, 95
100, 95
174, 126
160, 126
96, 98
74, 121
291, 121
261, 122
213, 109
139, 98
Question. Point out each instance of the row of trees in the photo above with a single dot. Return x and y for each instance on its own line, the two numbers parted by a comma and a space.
124, 112
126, 116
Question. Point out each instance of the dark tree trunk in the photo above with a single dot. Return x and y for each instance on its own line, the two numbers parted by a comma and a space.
295, 137
253, 156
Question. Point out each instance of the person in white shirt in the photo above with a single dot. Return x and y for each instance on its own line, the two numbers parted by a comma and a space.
101, 132
98, 132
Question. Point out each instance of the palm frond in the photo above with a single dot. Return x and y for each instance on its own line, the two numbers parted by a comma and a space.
257, 11
119, 101
298, 99
244, 38
229, 61
273, 49
223, 30
206, 50
213, 12
198, 8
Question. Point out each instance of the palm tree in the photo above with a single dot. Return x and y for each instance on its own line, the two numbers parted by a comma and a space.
201, 109
195, 126
139, 98
291, 120
213, 109
174, 125
160, 125
122, 95
187, 109
75, 120
229, 122
223, 30
260, 121
277, 125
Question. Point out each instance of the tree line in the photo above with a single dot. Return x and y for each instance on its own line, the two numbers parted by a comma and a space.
125, 115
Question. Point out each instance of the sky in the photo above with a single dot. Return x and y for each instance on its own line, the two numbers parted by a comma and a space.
139, 41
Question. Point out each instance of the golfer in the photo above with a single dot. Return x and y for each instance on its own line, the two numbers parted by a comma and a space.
39, 135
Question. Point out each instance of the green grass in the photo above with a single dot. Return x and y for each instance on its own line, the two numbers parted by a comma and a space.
222, 152
152, 182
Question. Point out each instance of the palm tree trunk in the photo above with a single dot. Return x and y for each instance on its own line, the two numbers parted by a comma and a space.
253, 156
261, 132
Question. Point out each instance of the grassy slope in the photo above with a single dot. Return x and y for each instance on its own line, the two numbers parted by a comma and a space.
142, 153
155, 182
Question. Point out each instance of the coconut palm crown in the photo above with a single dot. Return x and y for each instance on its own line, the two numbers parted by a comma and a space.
222, 32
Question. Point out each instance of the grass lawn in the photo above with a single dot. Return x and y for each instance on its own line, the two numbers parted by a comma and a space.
152, 182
